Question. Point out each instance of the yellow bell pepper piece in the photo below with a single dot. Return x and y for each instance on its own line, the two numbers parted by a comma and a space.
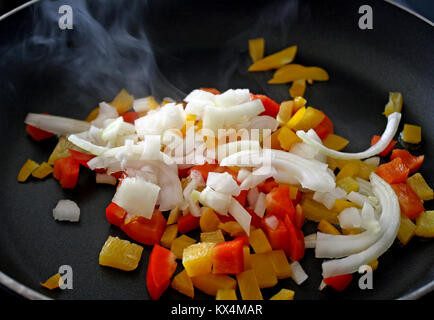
366, 170
26, 170
419, 185
373, 264
351, 231
394, 104
296, 118
285, 112
297, 88
406, 230
425, 224
183, 284
174, 215
190, 120
315, 211
351, 169
233, 228
61, 150
348, 184
209, 220
197, 258
212, 236
123, 101
211, 283
299, 102
92, 115
335, 142
226, 294
259, 242
179, 244
284, 294
247, 260
275, 60
53, 282
275, 144
120, 254
326, 227
332, 163
169, 235
256, 49
412, 133
311, 118
42, 171
341, 205
287, 138
264, 270
280, 263
248, 285
292, 72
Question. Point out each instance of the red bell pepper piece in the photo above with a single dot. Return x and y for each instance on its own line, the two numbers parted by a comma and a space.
146, 231
162, 265
66, 170
409, 201
204, 169
412, 162
242, 197
324, 128
115, 214
81, 157
119, 175
339, 283
256, 221
394, 171
183, 173
271, 107
268, 185
38, 134
299, 216
130, 116
211, 90
188, 223
228, 257
386, 151
244, 240
296, 240
278, 203
278, 237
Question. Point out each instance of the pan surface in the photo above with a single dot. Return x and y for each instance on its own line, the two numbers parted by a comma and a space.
196, 44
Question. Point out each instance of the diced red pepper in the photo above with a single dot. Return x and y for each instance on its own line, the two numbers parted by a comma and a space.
296, 240
66, 170
412, 162
211, 90
324, 128
228, 257
204, 169
38, 134
278, 237
130, 116
271, 107
119, 174
339, 283
243, 239
299, 216
115, 214
80, 157
183, 173
188, 223
409, 201
268, 185
146, 231
242, 197
162, 265
394, 171
278, 203
256, 221
227, 218
386, 151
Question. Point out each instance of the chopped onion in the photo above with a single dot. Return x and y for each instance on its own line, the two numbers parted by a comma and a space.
217, 201
252, 197
232, 97
230, 148
200, 95
66, 210
213, 118
196, 181
197, 107
349, 218
155, 122
297, 273
272, 222
310, 241
357, 198
144, 104
116, 128
240, 214
223, 182
57, 125
390, 131
375, 161
328, 198
243, 174
171, 189
105, 179
80, 141
260, 205
259, 122
105, 112
152, 147
257, 177
243, 112
365, 187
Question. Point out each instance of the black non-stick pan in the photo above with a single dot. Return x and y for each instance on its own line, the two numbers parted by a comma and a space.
168, 48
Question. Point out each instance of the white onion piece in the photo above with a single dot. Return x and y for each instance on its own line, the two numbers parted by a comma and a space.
259, 122
390, 219
155, 122
252, 197
200, 95
390, 131
217, 201
257, 177
365, 187
375, 161
116, 128
243, 174
171, 189
328, 198
80, 141
310, 241
242, 112
223, 182
240, 214
357, 198
230, 148
55, 124
260, 205
105, 179
105, 112
272, 222
297, 273
66, 210
350, 218
232, 97
197, 107
143, 104
152, 147
213, 118
196, 181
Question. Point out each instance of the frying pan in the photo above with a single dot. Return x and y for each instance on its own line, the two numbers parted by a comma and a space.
168, 48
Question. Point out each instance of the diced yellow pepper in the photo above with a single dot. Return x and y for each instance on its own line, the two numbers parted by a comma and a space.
311, 118
61, 150
183, 284
351, 169
292, 72
174, 215
169, 235
315, 211
248, 285
190, 120
326, 227
284, 294
264, 270
233, 228
293, 192
26, 170
211, 283
179, 244
348, 184
197, 258
53, 282
419, 185
296, 118
280, 263
226, 294
287, 138
285, 112
332, 163
120, 254
275, 60
259, 242
335, 142
209, 221
247, 260
365, 170
425, 224
275, 144
298, 88
394, 104
123, 101
341, 205
299, 102
406, 230
256, 49
42, 171
92, 115
212, 236
373, 264
351, 231
412, 133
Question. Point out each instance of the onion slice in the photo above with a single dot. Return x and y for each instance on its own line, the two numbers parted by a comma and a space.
240, 214
56, 124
